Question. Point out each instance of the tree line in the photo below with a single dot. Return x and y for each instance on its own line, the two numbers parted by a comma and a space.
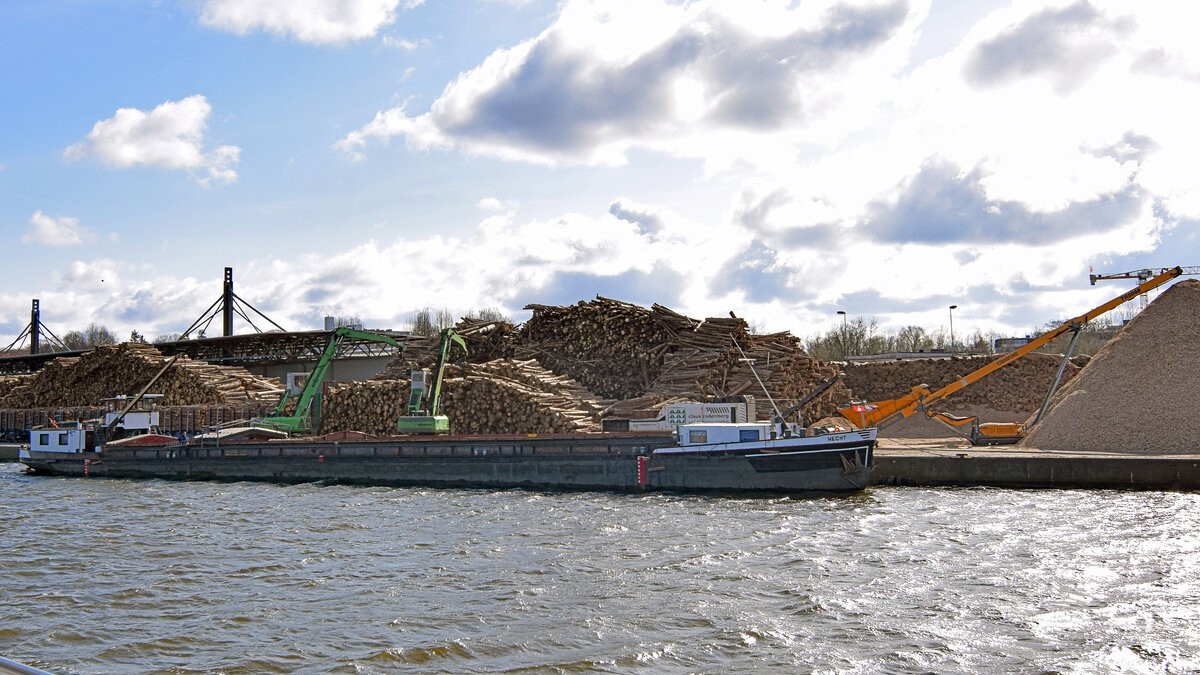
860, 336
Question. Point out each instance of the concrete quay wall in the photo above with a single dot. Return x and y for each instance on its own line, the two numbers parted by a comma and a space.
1027, 468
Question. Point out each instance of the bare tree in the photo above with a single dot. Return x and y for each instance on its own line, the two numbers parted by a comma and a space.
93, 335
487, 314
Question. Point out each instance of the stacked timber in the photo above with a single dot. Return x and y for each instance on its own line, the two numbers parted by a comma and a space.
713, 361
640, 358
506, 395
371, 407
1020, 386
498, 397
10, 382
486, 341
613, 348
112, 370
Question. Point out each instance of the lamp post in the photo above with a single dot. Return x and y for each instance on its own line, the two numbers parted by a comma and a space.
844, 357
952, 308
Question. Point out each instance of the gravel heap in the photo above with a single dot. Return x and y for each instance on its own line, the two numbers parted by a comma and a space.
1140, 393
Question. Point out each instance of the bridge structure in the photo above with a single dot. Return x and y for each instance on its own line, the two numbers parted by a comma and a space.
270, 354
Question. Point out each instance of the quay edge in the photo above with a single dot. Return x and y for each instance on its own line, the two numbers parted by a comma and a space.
1030, 468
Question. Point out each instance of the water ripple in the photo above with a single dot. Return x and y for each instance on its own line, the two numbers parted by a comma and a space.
102, 576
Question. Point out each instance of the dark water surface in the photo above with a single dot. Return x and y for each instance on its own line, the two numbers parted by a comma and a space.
114, 576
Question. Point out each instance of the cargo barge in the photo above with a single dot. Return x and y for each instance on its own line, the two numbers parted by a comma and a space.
623, 461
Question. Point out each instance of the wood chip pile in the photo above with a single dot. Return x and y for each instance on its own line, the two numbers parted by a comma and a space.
1020, 386
1139, 394
112, 370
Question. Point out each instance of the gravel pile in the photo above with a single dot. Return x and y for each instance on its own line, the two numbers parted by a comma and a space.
1140, 393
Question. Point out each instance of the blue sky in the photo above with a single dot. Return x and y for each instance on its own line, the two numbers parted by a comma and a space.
781, 159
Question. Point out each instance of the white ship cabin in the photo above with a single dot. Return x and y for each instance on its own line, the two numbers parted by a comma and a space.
709, 434
71, 438
142, 419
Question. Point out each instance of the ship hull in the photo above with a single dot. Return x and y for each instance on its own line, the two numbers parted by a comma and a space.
625, 462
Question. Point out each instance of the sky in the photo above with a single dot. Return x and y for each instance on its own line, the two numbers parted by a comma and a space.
781, 160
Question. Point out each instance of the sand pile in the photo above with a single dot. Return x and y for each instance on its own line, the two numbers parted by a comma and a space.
1140, 393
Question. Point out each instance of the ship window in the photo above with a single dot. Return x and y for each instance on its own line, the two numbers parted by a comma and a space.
62, 438
697, 436
748, 435
43, 439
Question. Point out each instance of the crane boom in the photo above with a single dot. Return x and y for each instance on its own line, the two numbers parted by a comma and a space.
300, 419
882, 412
1140, 275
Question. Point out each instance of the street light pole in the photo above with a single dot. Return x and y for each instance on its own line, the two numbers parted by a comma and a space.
844, 357
952, 308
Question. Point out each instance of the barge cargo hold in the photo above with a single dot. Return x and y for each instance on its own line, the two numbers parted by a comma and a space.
608, 461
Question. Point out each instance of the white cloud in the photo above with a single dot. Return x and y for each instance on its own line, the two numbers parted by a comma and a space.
50, 231
320, 22
807, 94
169, 136
405, 45
693, 80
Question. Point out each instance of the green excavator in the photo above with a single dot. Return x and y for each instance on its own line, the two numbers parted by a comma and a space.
308, 407
425, 394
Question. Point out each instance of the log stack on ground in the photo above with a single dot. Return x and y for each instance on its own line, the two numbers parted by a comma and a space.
641, 358
10, 382
706, 362
113, 370
497, 397
1019, 387
613, 348
1138, 394
486, 341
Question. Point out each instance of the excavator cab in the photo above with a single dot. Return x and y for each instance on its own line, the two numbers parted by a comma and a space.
425, 393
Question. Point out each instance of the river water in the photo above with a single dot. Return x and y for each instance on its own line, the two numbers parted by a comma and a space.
115, 576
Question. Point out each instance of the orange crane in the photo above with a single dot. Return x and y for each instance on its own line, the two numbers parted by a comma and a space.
881, 413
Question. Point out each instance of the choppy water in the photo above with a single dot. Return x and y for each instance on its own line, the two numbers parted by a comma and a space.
109, 576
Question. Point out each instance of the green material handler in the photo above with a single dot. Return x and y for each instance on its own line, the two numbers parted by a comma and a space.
425, 397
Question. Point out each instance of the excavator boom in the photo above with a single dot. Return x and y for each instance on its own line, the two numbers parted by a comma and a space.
881, 412
300, 419
424, 408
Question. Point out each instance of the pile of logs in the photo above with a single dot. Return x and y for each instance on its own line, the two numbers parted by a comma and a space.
486, 341
113, 370
1017, 387
508, 396
371, 407
10, 382
711, 362
633, 358
613, 348
497, 397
